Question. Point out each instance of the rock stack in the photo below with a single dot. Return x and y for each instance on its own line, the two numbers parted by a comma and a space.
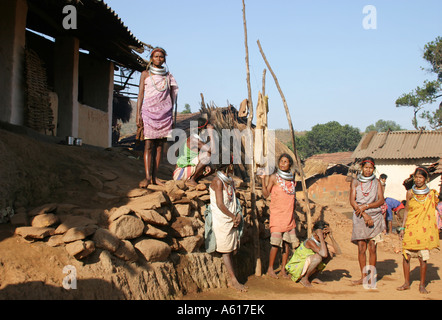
157, 231
150, 225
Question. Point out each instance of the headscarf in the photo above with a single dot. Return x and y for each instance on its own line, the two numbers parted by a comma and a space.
149, 64
157, 49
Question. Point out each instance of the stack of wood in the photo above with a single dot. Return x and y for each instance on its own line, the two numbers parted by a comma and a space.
229, 118
39, 114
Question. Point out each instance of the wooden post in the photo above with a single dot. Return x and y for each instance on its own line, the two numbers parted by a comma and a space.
264, 82
175, 113
258, 268
298, 160
203, 103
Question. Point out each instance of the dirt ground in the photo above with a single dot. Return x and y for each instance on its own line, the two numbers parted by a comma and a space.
34, 172
341, 271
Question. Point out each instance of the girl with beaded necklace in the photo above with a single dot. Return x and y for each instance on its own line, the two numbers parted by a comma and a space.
281, 186
226, 219
419, 231
366, 198
157, 95
194, 161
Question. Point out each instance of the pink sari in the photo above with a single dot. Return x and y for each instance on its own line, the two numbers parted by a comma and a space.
160, 93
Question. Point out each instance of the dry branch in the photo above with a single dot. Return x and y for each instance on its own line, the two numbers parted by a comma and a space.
298, 160
252, 166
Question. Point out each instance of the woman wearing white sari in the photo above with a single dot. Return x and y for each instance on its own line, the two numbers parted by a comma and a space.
226, 219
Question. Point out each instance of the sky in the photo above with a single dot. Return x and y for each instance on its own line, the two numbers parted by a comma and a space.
346, 61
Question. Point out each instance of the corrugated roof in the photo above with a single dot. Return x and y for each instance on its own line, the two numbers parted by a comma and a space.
129, 33
400, 145
99, 29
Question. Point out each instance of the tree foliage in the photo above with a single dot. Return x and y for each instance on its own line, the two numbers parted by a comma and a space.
328, 138
186, 109
429, 92
383, 126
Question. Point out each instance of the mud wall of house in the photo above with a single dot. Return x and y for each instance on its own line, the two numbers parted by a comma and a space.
93, 82
95, 88
93, 126
95, 98
332, 188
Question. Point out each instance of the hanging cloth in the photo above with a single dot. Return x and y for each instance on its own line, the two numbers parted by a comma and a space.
261, 147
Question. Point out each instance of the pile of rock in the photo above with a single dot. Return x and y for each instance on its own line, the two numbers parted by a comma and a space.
149, 225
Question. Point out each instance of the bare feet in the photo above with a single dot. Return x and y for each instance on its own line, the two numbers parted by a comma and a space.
304, 281
144, 183
158, 182
405, 286
357, 282
238, 286
191, 183
317, 281
284, 274
422, 289
272, 274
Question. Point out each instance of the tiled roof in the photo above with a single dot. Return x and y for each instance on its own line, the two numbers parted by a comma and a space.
400, 145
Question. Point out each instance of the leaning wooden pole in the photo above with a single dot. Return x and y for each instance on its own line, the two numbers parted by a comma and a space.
258, 268
298, 160
176, 111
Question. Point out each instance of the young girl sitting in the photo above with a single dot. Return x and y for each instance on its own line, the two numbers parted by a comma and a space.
194, 161
312, 255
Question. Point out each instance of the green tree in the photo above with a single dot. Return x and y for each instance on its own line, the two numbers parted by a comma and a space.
301, 145
328, 138
429, 92
186, 109
383, 126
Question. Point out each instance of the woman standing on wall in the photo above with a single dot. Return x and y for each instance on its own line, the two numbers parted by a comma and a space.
157, 95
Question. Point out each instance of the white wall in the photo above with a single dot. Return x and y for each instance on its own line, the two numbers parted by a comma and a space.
397, 171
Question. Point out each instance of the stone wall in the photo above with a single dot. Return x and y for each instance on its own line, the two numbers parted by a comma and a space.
157, 235
160, 234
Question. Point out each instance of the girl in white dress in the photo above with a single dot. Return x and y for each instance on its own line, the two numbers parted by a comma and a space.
225, 219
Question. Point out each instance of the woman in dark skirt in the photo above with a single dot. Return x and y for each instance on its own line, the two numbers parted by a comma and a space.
366, 198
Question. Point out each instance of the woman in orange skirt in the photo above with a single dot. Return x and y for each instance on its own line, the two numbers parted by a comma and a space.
281, 187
